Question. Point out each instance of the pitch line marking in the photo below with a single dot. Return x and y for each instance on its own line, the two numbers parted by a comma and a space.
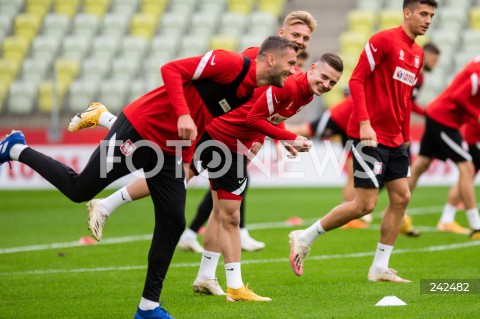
246, 262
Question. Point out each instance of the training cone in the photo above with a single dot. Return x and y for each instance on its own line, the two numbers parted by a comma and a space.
390, 301
294, 221
86, 241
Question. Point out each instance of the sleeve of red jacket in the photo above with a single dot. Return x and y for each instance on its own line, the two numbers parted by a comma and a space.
371, 56
417, 109
218, 65
263, 108
467, 96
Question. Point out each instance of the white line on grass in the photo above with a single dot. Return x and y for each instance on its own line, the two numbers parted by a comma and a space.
258, 226
251, 261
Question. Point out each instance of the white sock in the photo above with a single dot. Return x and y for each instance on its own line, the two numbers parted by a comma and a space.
448, 214
234, 275
312, 233
107, 119
115, 200
473, 218
244, 233
16, 150
208, 265
146, 304
382, 256
189, 234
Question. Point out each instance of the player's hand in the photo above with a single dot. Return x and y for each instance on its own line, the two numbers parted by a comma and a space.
292, 150
406, 144
367, 134
187, 130
302, 144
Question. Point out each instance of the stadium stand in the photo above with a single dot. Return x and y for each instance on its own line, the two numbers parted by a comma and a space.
76, 41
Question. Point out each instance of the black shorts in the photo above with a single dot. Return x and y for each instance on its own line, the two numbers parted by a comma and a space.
325, 127
227, 170
474, 151
442, 142
373, 166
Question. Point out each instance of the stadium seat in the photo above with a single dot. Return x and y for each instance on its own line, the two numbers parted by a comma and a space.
95, 69
274, 7
34, 70
174, 23
240, 6
11, 7
445, 39
460, 60
164, 45
5, 23
75, 47
26, 26
66, 7
393, 5
390, 19
193, 45
233, 24
81, 93
8, 71
463, 4
203, 23
3, 93
216, 7
45, 48
155, 7
224, 42
124, 7
56, 24
21, 97
361, 21
104, 47
85, 25
45, 97
113, 93
38, 7
96, 7
66, 72
15, 48
250, 40
475, 17
137, 89
471, 41
350, 61
133, 48
124, 69
182, 7
352, 42
114, 24
263, 23
451, 18
143, 25
369, 5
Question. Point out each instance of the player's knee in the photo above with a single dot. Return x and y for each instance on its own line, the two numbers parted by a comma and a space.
231, 218
401, 199
365, 206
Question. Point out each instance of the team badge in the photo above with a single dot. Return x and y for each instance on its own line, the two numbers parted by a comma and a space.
402, 55
417, 61
127, 148
377, 168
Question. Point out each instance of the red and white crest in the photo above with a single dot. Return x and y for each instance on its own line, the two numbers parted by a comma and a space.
127, 148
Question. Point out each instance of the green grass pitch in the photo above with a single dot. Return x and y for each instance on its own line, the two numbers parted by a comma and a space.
44, 275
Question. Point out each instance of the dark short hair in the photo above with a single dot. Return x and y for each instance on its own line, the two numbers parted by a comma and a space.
409, 3
333, 60
276, 43
430, 47
303, 55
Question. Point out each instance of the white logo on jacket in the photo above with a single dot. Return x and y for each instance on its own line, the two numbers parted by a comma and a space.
417, 61
402, 55
404, 76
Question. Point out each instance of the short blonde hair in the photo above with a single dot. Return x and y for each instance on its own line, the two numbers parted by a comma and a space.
301, 17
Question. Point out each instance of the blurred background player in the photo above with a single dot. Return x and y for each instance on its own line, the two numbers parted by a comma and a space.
381, 86
457, 105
